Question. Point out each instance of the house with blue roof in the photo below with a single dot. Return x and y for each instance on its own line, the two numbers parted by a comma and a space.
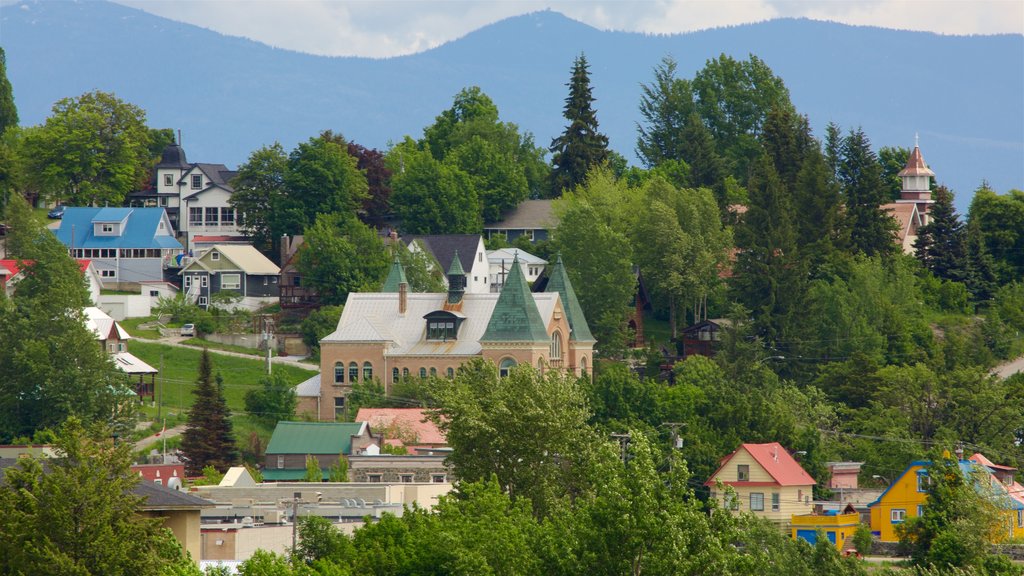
126, 245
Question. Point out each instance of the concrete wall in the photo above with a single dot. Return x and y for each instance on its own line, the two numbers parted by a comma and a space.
185, 526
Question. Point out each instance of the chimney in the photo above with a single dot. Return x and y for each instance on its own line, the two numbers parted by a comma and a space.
284, 249
403, 298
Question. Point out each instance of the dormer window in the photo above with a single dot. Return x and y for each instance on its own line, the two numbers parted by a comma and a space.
107, 228
443, 325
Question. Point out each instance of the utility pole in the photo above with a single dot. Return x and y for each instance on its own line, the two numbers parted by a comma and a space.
623, 440
295, 521
160, 389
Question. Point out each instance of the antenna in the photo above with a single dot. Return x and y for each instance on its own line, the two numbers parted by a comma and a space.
916, 140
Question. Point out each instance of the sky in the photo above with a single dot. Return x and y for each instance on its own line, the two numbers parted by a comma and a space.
382, 28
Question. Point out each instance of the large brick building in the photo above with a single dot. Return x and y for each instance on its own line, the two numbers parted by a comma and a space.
396, 334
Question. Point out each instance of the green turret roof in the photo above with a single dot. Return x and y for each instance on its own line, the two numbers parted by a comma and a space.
515, 317
396, 276
558, 281
456, 268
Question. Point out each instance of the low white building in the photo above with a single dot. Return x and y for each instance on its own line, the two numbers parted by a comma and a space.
500, 262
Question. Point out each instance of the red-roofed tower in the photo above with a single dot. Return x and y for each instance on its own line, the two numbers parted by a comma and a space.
917, 180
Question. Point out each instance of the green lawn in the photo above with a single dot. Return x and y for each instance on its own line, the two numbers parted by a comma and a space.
180, 365
226, 347
132, 326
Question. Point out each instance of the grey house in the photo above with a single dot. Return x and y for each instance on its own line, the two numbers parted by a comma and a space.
240, 269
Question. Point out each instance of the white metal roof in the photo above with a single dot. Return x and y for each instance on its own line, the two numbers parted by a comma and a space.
374, 317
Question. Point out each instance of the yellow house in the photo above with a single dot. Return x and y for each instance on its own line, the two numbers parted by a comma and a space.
838, 528
907, 496
766, 481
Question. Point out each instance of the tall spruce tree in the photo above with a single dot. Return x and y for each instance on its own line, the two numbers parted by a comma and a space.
941, 244
981, 277
860, 175
8, 111
819, 216
768, 273
665, 105
208, 439
581, 146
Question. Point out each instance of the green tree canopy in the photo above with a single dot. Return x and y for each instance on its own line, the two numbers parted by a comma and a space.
1000, 219
342, 255
92, 150
432, 197
8, 111
665, 105
262, 198
76, 514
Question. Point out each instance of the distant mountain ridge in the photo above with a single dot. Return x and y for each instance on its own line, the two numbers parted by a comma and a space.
230, 96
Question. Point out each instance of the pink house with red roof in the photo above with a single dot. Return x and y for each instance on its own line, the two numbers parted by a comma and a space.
765, 480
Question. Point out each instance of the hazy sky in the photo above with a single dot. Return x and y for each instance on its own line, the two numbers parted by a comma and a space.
394, 27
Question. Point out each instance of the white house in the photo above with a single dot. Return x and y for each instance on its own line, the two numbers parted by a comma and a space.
500, 262
470, 250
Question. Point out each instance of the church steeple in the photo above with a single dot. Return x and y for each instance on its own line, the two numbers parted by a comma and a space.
558, 281
456, 280
515, 317
917, 177
396, 277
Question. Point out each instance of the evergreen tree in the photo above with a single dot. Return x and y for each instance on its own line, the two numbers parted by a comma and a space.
860, 174
833, 147
581, 146
8, 111
707, 169
787, 139
981, 276
819, 217
664, 105
941, 244
767, 269
208, 439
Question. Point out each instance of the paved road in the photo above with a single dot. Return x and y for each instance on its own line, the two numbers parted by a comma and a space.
176, 341
1010, 368
148, 440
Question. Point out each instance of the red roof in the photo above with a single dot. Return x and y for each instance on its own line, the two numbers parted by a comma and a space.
915, 165
11, 266
206, 239
775, 460
411, 424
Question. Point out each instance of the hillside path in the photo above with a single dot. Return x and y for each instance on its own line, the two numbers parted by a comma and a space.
169, 433
1009, 368
288, 360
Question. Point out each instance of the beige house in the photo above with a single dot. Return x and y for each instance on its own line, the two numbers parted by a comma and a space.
765, 480
393, 334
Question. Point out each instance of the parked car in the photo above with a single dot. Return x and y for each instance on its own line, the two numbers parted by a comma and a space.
4, 229
57, 212
188, 330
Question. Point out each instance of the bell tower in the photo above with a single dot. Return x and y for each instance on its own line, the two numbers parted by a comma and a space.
917, 180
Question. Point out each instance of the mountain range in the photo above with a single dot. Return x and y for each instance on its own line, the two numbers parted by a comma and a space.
964, 95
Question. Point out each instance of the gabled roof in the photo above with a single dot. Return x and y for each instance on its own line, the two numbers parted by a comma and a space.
915, 165
404, 334
309, 388
314, 437
102, 325
529, 215
396, 276
216, 173
130, 364
509, 254
906, 215
214, 186
1011, 497
412, 421
444, 246
111, 214
775, 460
244, 257
515, 317
142, 230
558, 281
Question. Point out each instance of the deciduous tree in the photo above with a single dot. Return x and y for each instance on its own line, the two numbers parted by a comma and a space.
432, 197
341, 255
93, 149
8, 111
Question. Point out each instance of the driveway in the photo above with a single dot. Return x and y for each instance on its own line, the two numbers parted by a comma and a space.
169, 433
1007, 369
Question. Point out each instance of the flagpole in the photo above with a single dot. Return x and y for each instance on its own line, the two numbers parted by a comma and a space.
163, 460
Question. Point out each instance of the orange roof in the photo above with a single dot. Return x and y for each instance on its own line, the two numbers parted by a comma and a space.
775, 460
905, 214
915, 165
412, 425
1014, 490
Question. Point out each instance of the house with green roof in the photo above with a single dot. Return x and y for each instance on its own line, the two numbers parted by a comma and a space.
396, 334
326, 441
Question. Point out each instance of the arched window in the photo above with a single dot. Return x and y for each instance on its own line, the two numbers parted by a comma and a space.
423, 372
540, 365
451, 372
367, 371
433, 372
556, 346
405, 372
353, 372
339, 372
505, 367
583, 366
394, 375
